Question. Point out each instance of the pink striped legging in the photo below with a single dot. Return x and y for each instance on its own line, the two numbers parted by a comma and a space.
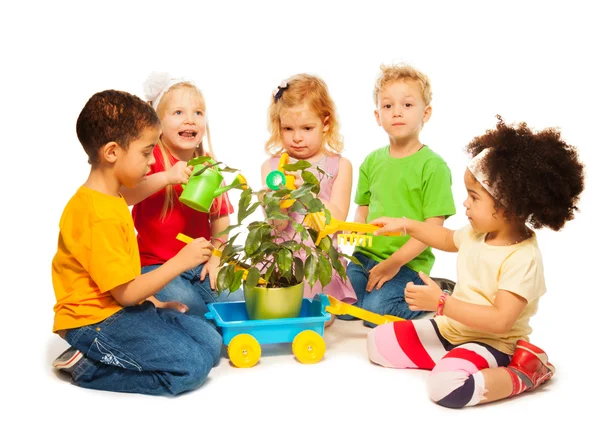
455, 380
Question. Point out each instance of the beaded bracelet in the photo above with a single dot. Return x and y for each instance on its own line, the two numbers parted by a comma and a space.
404, 217
441, 303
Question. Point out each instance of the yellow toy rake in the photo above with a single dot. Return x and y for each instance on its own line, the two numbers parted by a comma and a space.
316, 221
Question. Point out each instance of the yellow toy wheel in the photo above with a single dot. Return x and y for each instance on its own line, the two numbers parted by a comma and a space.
308, 347
244, 351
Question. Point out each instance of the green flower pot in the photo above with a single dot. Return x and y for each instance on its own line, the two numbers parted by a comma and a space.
273, 303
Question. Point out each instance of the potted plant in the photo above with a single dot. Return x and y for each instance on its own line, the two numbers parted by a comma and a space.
268, 261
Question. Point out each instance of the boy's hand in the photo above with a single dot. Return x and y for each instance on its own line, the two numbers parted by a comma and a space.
211, 268
389, 225
179, 173
423, 297
195, 253
381, 273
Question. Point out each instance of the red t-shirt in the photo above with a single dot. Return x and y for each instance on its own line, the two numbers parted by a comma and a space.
156, 237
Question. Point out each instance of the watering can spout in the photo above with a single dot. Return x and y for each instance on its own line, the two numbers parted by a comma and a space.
239, 182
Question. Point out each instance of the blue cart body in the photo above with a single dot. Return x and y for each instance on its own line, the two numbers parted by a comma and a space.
232, 319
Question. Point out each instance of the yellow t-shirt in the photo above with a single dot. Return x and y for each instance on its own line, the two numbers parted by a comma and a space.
97, 251
482, 270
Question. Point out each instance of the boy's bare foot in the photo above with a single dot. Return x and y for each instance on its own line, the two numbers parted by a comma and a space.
330, 321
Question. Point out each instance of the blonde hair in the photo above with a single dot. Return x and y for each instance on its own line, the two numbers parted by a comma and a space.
164, 151
312, 91
396, 73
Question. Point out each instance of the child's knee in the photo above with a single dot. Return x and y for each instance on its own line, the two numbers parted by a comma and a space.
451, 389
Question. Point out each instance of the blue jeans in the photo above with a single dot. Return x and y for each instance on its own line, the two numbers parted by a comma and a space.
143, 349
188, 289
389, 299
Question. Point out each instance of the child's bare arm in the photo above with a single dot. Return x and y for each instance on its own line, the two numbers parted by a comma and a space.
148, 284
361, 214
497, 318
386, 269
179, 173
339, 202
431, 232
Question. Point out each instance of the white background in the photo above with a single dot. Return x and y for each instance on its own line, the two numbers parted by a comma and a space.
527, 61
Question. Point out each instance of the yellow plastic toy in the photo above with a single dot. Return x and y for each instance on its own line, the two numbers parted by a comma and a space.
339, 308
244, 350
217, 252
316, 221
277, 177
354, 239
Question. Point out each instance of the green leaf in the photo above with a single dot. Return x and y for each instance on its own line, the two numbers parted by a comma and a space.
324, 270
292, 245
227, 230
298, 227
299, 208
315, 205
225, 278
199, 160
297, 166
228, 169
252, 242
299, 269
252, 277
327, 216
334, 257
306, 199
309, 178
310, 269
284, 260
278, 216
352, 259
236, 283
252, 208
281, 192
269, 273
305, 188
325, 243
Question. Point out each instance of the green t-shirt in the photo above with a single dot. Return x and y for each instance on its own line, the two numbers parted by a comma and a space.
418, 186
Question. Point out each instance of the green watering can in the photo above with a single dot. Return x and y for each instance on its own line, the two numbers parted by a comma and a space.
204, 185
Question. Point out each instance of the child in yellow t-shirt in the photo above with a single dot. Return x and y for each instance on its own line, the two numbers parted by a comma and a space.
476, 347
119, 341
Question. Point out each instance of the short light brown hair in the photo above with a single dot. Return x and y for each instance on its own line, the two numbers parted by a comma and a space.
399, 72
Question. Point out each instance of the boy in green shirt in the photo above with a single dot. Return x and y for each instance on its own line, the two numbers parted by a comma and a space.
404, 179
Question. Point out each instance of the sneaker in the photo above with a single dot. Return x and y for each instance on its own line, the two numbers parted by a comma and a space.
531, 365
67, 360
445, 284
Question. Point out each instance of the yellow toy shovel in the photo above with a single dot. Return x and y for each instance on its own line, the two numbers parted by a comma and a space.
339, 308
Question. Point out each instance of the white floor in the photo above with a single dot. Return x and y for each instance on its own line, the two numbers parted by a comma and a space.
344, 385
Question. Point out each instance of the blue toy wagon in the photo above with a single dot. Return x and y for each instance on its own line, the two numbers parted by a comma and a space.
243, 336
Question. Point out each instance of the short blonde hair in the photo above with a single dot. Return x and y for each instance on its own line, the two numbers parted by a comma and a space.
312, 90
399, 72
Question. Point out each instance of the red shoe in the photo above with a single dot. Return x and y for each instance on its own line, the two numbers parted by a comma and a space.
531, 365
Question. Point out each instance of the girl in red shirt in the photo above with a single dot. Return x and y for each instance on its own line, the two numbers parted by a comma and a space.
158, 214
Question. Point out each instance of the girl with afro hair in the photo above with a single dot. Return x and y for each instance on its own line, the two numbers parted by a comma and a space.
477, 345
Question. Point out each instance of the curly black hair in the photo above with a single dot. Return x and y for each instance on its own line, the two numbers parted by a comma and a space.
537, 176
113, 116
